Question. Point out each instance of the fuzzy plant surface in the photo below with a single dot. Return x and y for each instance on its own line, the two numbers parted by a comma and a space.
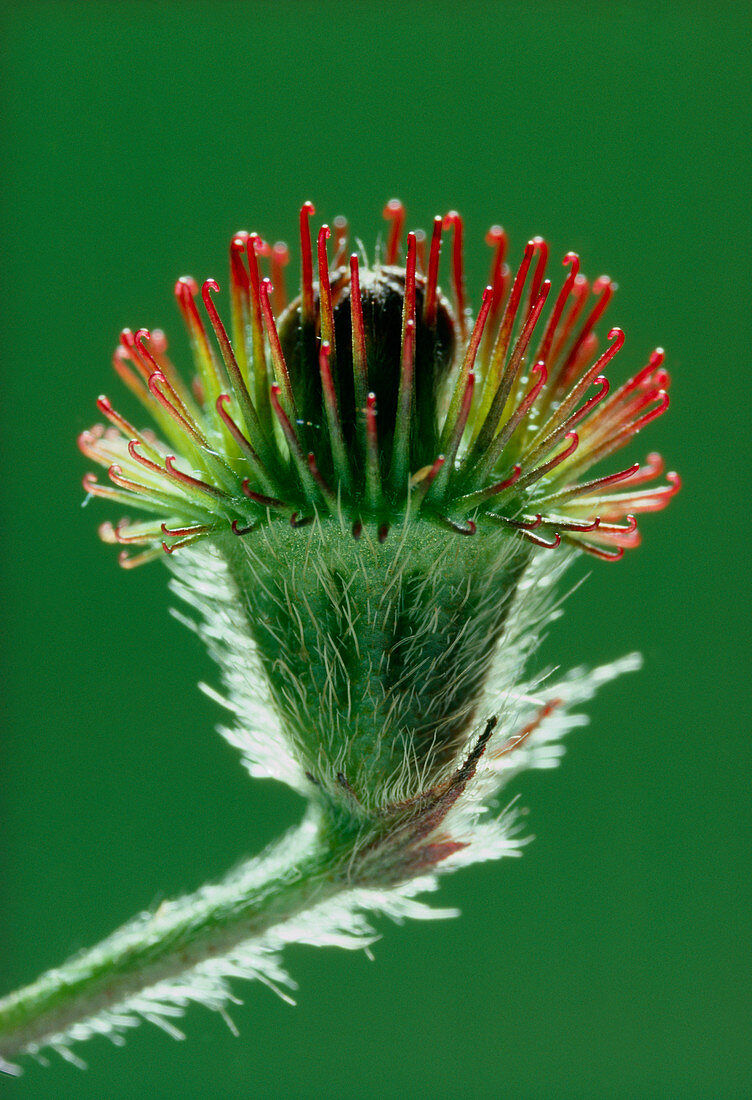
366, 497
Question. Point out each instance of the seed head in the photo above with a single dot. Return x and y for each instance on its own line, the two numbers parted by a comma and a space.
376, 474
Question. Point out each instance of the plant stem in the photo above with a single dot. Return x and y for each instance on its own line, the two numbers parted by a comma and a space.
297, 873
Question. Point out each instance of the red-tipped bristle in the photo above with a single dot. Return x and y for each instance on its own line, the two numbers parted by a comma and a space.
171, 403
373, 473
408, 305
497, 239
394, 212
306, 264
432, 279
510, 313
360, 360
525, 525
222, 401
257, 324
422, 485
193, 482
538, 541
578, 293
334, 424
533, 475
182, 532
401, 447
571, 260
325, 290
279, 258
275, 347
453, 221
340, 240
293, 441
325, 489
420, 249
458, 396
132, 561
541, 249
603, 288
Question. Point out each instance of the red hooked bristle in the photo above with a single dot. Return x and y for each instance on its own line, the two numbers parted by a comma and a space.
467, 528
222, 401
587, 488
472, 500
432, 279
275, 347
334, 424
453, 221
306, 264
240, 300
597, 551
182, 532
491, 455
578, 294
173, 405
360, 359
603, 289
240, 531
540, 471
408, 305
120, 361
238, 271
422, 481
525, 525
373, 473
510, 313
279, 258
325, 290
468, 363
132, 353
572, 261
126, 561
654, 467
193, 482
497, 239
541, 249
120, 535
394, 212
486, 447
265, 501
340, 240
208, 367
181, 543
104, 406
231, 366
117, 477
257, 325
538, 541
326, 490
420, 249
451, 445
399, 471
576, 525
149, 463
565, 416
293, 442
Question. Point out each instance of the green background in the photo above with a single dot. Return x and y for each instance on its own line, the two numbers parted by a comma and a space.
613, 959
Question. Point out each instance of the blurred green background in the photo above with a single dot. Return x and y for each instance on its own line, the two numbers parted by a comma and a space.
613, 959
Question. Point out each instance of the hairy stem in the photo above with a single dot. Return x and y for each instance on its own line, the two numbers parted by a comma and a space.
297, 873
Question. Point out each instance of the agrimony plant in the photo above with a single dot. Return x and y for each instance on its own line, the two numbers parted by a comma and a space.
367, 497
